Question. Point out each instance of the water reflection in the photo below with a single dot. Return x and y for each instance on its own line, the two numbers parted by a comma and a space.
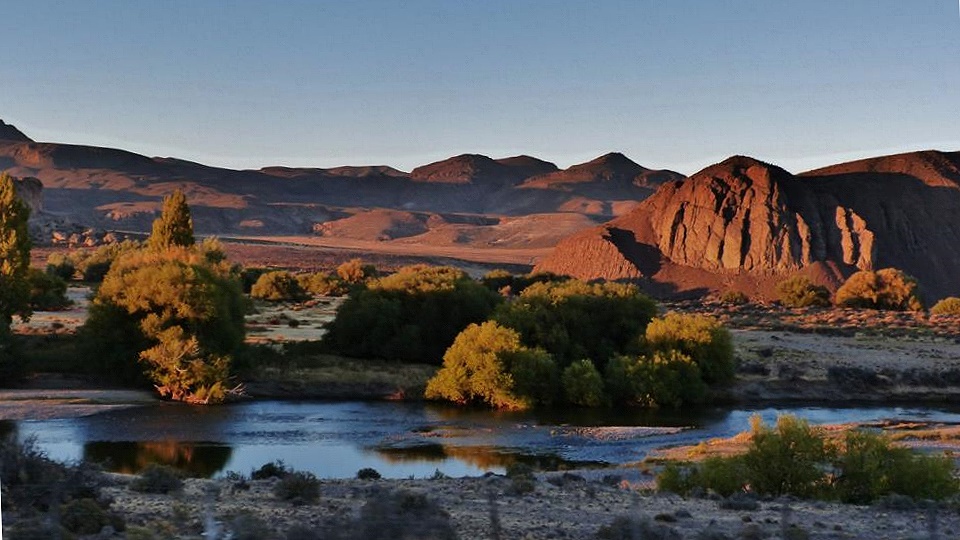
195, 459
488, 458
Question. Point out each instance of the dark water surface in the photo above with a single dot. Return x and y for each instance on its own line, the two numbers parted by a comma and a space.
336, 439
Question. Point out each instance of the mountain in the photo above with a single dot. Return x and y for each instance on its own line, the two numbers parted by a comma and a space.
114, 189
746, 224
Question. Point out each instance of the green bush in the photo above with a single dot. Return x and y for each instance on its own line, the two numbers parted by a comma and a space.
582, 384
799, 291
947, 306
277, 286
786, 459
477, 368
573, 320
368, 473
61, 265
94, 265
413, 315
664, 378
889, 289
699, 337
162, 314
402, 515
298, 487
158, 479
323, 284
48, 292
274, 469
84, 516
735, 298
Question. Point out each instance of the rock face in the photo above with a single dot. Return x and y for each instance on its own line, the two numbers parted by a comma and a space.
743, 217
30, 190
11, 133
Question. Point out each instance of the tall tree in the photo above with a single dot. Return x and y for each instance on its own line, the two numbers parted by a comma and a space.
174, 227
14, 266
14, 252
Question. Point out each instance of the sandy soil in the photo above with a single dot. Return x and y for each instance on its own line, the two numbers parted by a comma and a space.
41, 404
564, 507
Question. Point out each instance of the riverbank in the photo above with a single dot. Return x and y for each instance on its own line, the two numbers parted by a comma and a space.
556, 506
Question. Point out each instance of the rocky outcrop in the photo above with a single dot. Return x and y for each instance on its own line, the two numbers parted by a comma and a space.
30, 190
744, 217
11, 133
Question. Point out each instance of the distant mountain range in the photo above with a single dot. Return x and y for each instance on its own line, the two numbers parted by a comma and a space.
740, 224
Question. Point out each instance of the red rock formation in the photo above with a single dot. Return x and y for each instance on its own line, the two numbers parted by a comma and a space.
743, 217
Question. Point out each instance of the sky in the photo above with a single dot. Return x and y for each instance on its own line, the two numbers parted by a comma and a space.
676, 84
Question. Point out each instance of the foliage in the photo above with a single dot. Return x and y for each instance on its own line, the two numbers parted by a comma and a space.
61, 265
158, 479
534, 374
298, 487
368, 473
323, 284
889, 289
699, 337
402, 515
573, 320
176, 312
94, 265
735, 298
798, 291
14, 253
947, 306
83, 516
477, 368
48, 292
412, 315
794, 458
664, 378
507, 283
583, 385
354, 272
174, 227
276, 286
274, 469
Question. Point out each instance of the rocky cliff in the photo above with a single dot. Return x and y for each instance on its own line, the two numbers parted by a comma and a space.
753, 220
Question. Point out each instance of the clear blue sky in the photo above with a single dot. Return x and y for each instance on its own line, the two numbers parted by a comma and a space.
675, 83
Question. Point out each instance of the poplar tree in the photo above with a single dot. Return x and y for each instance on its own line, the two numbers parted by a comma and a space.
14, 267
174, 227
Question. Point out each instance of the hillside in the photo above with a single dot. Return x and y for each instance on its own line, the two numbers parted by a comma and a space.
746, 224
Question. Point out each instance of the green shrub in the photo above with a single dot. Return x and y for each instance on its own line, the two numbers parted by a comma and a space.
889, 289
723, 475
93, 266
947, 306
786, 459
582, 384
84, 516
158, 479
403, 515
277, 286
368, 473
799, 291
573, 320
699, 337
249, 276
667, 379
274, 469
477, 368
323, 284
354, 272
735, 298
60, 265
298, 487
244, 525
48, 292
413, 315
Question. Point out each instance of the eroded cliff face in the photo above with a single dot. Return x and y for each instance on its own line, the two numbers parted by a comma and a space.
746, 217
30, 190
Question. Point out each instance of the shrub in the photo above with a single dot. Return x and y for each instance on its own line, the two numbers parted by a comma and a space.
94, 265
354, 271
158, 479
60, 265
245, 525
699, 337
323, 284
277, 286
174, 227
889, 289
83, 516
368, 473
786, 459
48, 292
668, 378
573, 320
413, 315
274, 469
735, 298
799, 291
403, 515
582, 384
477, 368
632, 528
298, 487
947, 306
160, 314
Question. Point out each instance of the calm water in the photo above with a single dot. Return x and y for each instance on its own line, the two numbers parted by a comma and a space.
334, 440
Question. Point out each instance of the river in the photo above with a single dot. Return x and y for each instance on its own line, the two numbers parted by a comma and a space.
335, 439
